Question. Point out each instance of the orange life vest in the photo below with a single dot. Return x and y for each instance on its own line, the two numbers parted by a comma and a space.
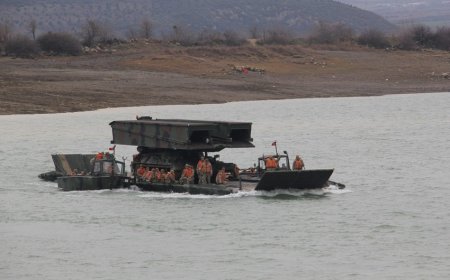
141, 171
271, 163
188, 172
221, 177
208, 167
298, 164
200, 164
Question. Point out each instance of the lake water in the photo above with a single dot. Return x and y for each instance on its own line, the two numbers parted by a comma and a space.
391, 222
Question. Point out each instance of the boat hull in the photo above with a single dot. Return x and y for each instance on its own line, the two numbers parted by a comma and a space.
287, 179
83, 183
208, 189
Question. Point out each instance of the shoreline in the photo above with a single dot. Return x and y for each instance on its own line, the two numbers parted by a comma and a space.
146, 76
227, 102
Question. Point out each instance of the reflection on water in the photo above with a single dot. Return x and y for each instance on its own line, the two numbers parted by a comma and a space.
389, 151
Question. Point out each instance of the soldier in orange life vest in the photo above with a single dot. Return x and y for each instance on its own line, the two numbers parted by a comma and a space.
201, 171
271, 163
221, 177
187, 176
208, 171
170, 177
298, 163
147, 175
99, 156
141, 171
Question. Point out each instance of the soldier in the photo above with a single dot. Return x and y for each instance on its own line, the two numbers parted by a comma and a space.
298, 163
141, 171
162, 177
221, 177
99, 156
271, 163
147, 175
208, 171
201, 171
156, 175
187, 176
170, 177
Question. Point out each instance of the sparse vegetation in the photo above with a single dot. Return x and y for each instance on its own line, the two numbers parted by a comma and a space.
232, 38
421, 36
326, 33
277, 36
33, 26
21, 46
94, 32
98, 37
373, 38
442, 38
146, 29
59, 44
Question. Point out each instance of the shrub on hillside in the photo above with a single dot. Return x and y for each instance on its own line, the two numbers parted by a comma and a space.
21, 46
373, 38
209, 37
94, 32
422, 36
232, 38
325, 33
442, 38
405, 41
60, 44
277, 36
182, 35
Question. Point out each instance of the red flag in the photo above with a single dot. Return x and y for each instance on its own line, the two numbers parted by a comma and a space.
274, 143
113, 148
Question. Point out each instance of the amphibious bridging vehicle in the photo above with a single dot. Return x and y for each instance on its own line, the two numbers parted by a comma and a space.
170, 144
173, 144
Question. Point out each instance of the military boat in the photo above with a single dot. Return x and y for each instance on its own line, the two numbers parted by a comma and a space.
78, 172
171, 145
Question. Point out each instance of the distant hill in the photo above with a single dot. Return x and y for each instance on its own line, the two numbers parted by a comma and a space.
431, 12
239, 15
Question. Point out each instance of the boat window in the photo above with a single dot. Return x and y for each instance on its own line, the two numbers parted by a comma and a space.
107, 167
97, 167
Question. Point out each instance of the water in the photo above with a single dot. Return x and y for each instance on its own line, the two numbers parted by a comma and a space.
392, 221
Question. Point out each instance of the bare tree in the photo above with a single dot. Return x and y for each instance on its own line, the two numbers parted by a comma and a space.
93, 32
33, 26
132, 34
278, 35
232, 38
326, 33
181, 35
255, 33
209, 37
422, 35
21, 46
5, 32
373, 38
442, 38
146, 29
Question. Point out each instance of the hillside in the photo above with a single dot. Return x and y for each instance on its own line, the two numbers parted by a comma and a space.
239, 15
432, 12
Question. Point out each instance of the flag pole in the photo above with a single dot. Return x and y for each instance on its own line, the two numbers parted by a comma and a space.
274, 143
